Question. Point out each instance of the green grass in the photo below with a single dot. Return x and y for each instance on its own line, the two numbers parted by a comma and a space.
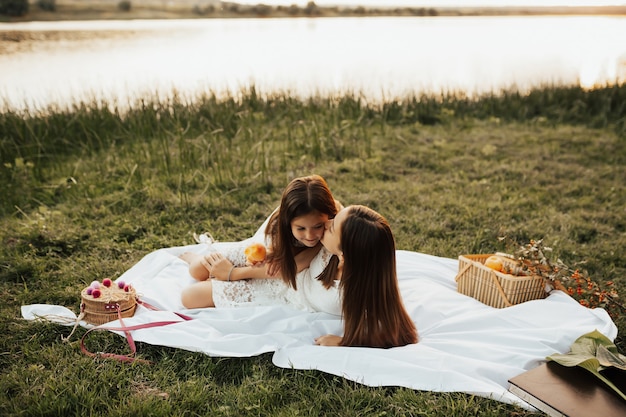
88, 191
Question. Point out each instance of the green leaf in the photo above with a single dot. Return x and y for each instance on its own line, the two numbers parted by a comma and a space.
594, 352
608, 358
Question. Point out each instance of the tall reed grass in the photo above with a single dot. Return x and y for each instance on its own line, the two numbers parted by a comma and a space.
169, 135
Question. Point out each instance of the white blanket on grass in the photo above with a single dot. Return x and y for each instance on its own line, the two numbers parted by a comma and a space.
464, 346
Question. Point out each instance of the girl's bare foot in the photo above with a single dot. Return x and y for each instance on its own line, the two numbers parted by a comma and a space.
189, 257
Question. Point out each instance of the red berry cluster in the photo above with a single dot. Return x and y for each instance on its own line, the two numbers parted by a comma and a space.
537, 259
590, 294
95, 290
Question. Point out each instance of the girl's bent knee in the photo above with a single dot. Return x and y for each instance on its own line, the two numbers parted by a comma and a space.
199, 295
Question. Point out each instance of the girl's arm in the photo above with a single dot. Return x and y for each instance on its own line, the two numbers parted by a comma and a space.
224, 270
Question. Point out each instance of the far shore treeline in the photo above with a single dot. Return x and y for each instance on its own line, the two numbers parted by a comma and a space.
47, 10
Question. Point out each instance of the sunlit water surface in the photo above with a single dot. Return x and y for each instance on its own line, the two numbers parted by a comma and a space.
61, 63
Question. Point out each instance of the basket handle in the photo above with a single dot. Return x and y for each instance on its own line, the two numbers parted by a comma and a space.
461, 272
495, 279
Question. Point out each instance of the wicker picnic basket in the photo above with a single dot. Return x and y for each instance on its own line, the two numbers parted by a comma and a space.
104, 308
495, 288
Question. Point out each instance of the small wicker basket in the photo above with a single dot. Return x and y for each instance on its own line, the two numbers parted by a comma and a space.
495, 288
104, 308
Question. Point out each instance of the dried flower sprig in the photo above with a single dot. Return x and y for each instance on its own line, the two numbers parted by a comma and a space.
534, 258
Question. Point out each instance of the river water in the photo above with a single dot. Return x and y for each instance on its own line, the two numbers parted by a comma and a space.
61, 63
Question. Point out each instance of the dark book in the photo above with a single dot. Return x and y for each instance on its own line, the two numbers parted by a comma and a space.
559, 390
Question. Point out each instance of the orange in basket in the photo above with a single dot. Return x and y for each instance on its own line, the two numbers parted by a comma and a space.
494, 262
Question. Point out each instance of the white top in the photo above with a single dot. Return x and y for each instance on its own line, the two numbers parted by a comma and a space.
311, 295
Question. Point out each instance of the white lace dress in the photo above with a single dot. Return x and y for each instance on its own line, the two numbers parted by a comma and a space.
309, 296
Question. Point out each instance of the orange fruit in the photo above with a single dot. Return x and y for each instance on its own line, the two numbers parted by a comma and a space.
255, 253
494, 262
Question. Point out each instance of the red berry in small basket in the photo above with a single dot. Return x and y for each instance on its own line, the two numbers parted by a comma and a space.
107, 282
96, 293
127, 287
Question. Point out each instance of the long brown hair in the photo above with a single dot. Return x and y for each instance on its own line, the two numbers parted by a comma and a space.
372, 307
302, 196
